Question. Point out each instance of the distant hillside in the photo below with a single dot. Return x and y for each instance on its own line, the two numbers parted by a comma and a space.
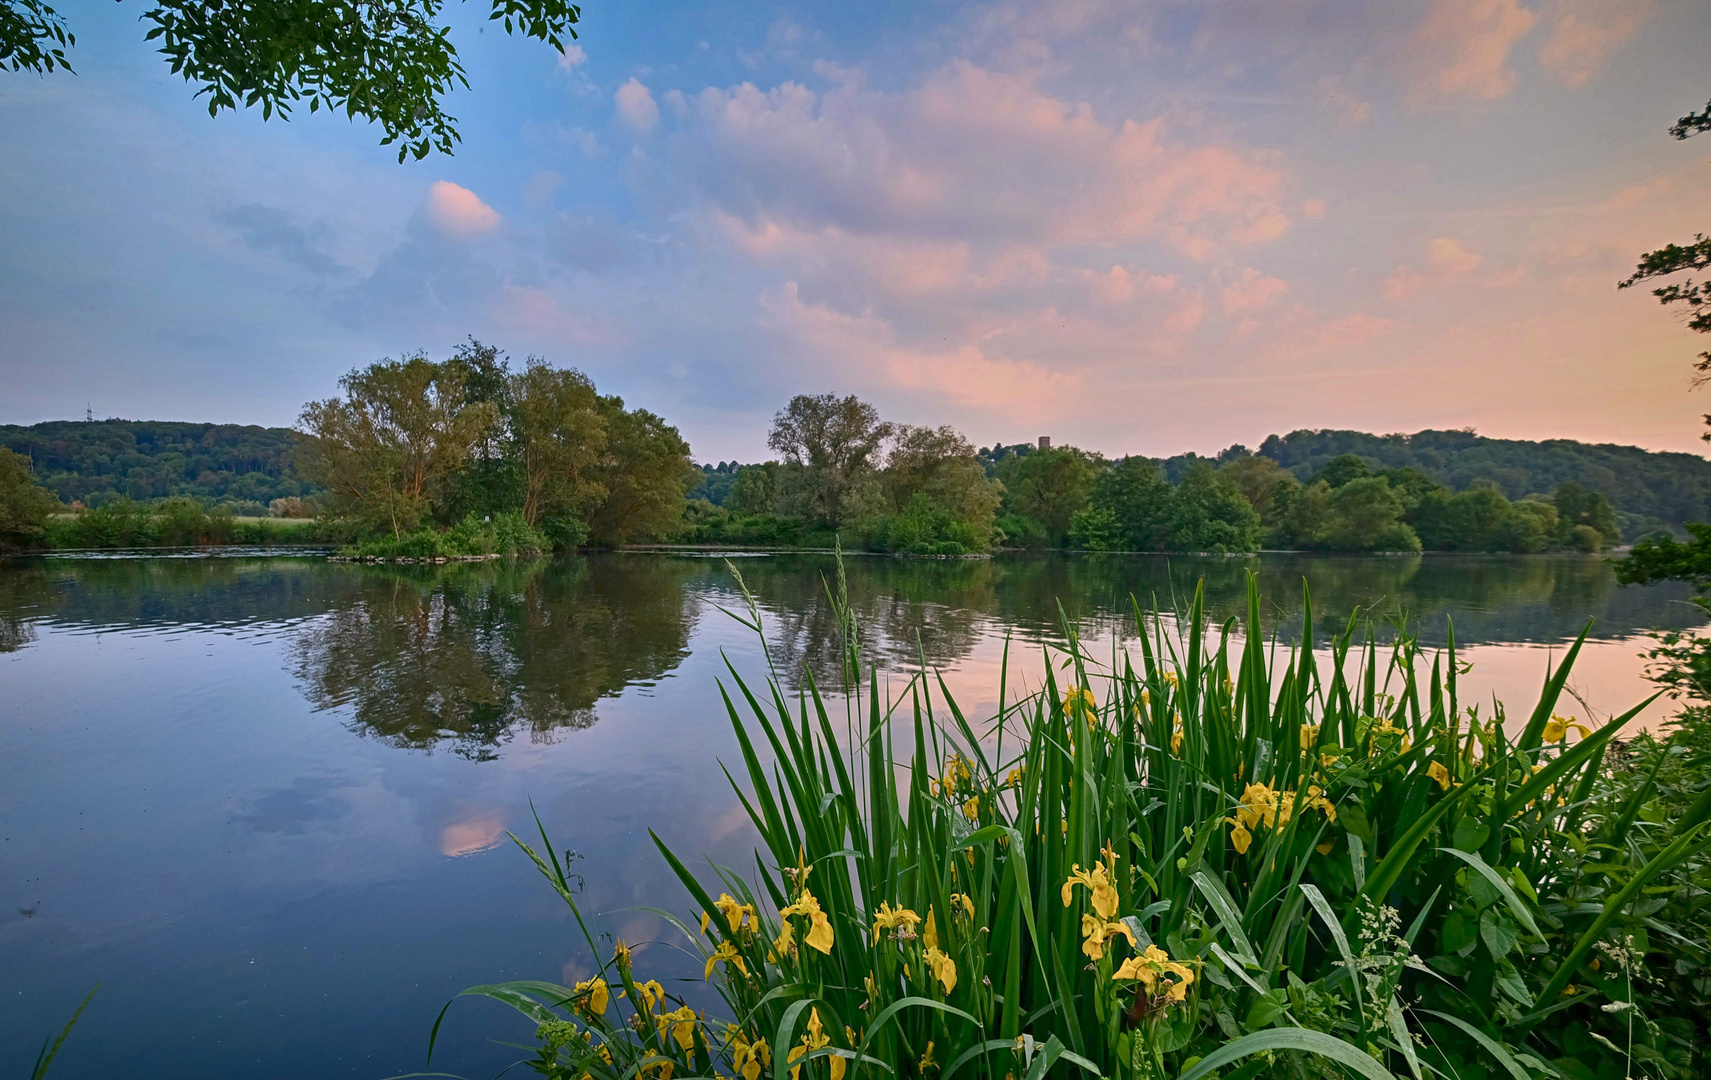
1671, 488
98, 460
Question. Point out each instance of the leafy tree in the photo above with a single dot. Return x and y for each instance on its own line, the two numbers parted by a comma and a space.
1474, 520
1303, 516
1674, 259
1048, 486
1664, 558
1096, 528
389, 446
488, 484
1344, 468
835, 441
385, 61
1208, 515
645, 473
1576, 507
1366, 515
940, 465
24, 505
1261, 481
558, 439
1134, 495
755, 489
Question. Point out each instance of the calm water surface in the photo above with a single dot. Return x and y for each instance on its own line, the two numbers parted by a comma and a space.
264, 801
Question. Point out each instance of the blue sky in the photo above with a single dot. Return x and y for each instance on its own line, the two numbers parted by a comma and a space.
1145, 227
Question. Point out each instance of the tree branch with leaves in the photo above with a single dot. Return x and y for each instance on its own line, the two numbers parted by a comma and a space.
386, 61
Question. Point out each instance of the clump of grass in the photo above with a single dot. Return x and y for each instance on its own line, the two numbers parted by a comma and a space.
1217, 856
503, 534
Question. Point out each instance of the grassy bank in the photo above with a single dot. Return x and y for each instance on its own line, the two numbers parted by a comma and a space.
1216, 856
179, 523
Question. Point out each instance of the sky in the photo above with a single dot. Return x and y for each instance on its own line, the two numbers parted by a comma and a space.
1135, 227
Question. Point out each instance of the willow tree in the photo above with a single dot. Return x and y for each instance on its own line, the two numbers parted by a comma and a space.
388, 447
558, 437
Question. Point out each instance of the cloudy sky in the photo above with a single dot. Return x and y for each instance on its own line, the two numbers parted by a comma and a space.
1137, 227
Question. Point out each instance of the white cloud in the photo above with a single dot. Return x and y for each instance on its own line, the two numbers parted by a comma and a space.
636, 106
571, 58
459, 212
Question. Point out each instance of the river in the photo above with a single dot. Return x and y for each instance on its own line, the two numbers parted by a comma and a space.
264, 801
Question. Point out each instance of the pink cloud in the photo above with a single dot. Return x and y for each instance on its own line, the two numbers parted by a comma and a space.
1460, 50
1450, 260
458, 212
1446, 261
636, 106
1252, 291
974, 152
1585, 32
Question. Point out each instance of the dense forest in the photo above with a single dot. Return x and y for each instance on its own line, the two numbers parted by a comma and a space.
93, 462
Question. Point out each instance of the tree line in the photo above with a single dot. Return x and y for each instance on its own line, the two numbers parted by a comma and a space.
844, 473
472, 454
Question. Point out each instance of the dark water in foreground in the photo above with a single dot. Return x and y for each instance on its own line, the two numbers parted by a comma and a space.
265, 801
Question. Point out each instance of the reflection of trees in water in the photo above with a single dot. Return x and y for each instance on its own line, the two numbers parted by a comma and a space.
903, 608
162, 593
951, 603
26, 594
464, 656
1492, 598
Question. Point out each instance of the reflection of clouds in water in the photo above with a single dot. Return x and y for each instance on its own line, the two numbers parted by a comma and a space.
479, 832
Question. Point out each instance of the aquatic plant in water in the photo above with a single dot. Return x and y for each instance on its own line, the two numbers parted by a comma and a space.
1216, 857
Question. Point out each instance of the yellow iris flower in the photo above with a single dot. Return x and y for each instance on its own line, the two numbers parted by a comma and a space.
1078, 700
681, 1023
941, 967
1437, 772
815, 1039
598, 996
819, 934
1309, 736
894, 919
748, 1059
971, 809
1150, 969
1259, 803
1240, 837
1558, 727
728, 953
735, 913
1098, 881
1097, 932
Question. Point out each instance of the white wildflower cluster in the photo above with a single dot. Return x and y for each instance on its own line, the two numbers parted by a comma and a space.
1626, 959
1384, 952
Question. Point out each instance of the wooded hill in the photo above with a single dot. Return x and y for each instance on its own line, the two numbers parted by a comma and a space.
1649, 488
101, 460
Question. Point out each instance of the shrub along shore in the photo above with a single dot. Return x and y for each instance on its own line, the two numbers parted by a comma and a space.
1212, 857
